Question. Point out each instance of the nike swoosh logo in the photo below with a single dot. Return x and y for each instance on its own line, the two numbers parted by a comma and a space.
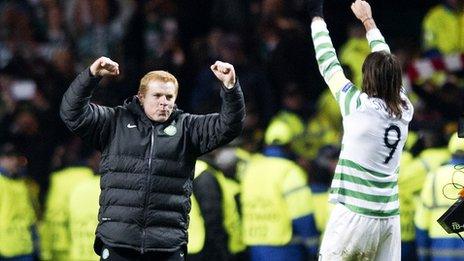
131, 126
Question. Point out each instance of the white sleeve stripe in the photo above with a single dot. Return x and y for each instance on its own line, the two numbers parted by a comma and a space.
348, 98
381, 47
365, 175
337, 183
374, 37
322, 40
318, 26
331, 72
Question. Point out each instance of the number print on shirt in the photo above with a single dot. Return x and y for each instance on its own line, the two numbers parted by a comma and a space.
391, 146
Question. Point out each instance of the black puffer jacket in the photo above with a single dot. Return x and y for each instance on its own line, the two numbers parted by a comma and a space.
147, 167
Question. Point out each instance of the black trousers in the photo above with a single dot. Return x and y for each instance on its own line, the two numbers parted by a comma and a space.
123, 254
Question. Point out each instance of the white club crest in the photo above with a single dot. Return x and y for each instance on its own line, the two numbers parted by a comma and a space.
171, 130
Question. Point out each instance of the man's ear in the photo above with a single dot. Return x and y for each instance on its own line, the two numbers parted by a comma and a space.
140, 96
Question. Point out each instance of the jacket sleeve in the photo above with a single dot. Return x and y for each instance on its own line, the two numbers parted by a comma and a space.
210, 131
89, 121
208, 193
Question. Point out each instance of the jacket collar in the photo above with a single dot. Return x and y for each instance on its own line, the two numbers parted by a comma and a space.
133, 105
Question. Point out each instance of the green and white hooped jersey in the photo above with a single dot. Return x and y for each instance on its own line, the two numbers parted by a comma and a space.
366, 177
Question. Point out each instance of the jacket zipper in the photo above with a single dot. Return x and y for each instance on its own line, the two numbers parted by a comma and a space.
147, 192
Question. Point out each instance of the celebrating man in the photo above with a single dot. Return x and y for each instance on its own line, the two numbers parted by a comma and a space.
149, 149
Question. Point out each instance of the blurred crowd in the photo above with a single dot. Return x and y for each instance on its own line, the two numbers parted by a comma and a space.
49, 178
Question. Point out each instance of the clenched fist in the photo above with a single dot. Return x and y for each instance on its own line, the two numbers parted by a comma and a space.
225, 72
104, 66
362, 10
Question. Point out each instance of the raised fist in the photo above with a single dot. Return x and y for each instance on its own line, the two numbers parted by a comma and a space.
362, 10
225, 72
104, 66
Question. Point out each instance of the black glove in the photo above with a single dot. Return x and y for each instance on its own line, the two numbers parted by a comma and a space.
315, 8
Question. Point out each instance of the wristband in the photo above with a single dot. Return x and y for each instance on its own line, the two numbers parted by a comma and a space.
366, 19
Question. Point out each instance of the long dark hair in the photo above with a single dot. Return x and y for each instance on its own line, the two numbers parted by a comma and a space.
382, 79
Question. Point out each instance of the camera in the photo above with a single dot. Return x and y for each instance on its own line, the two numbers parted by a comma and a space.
453, 219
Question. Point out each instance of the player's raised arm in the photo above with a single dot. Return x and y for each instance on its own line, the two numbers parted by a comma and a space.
362, 10
326, 57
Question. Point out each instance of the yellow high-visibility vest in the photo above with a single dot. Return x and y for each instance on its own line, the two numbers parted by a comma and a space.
83, 219
232, 222
407, 195
196, 229
229, 190
413, 173
433, 202
16, 218
274, 192
54, 230
444, 30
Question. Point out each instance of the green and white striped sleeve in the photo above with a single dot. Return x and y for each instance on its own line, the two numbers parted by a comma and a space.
377, 41
326, 57
348, 98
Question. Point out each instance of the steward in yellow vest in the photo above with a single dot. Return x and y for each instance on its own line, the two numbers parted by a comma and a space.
54, 231
408, 191
433, 242
293, 122
443, 28
17, 216
322, 129
215, 227
83, 212
277, 204
413, 172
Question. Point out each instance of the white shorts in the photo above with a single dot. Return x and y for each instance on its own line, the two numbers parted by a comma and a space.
351, 236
